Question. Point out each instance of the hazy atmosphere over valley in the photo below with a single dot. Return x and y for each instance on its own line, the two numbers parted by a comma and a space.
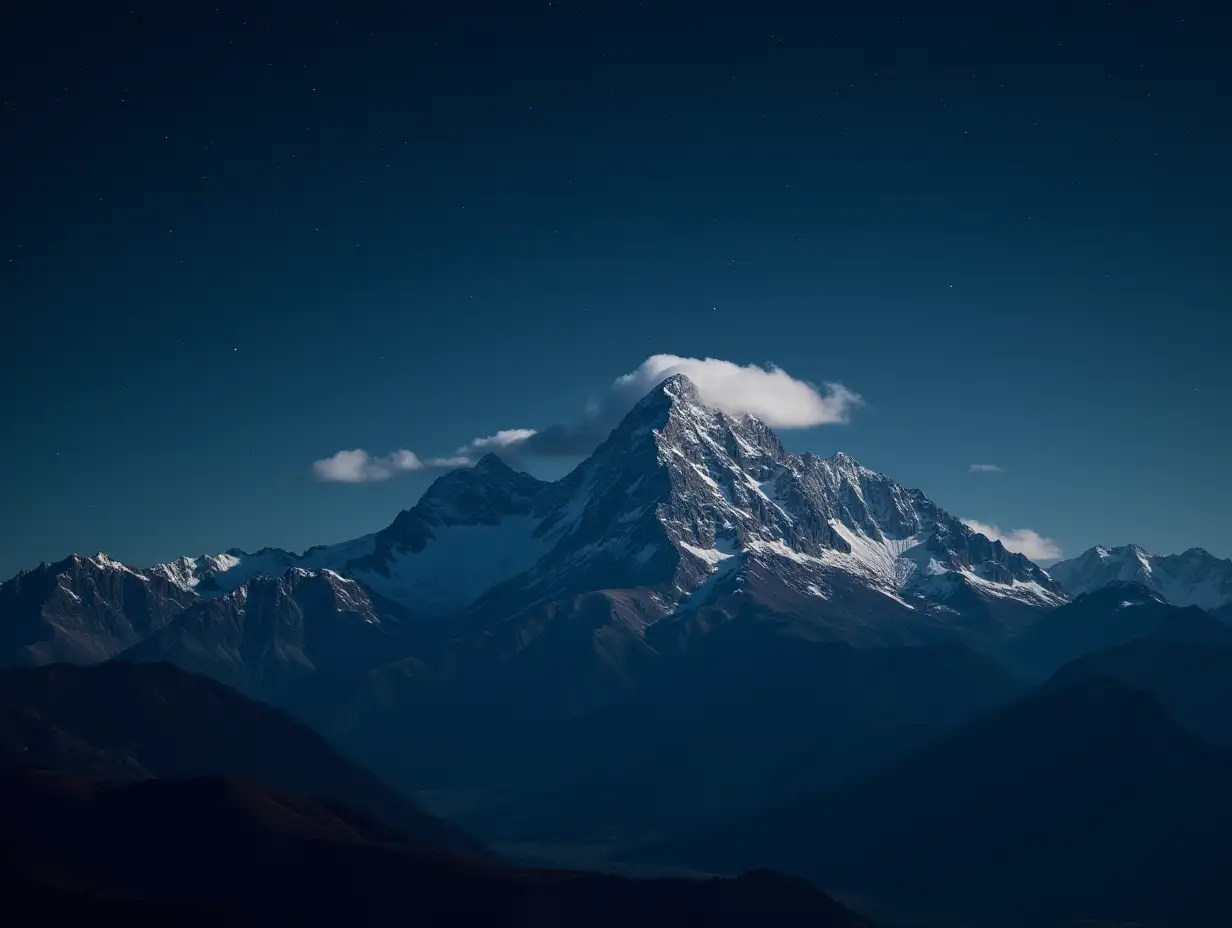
558, 463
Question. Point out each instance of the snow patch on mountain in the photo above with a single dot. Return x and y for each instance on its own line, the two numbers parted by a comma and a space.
458, 563
210, 575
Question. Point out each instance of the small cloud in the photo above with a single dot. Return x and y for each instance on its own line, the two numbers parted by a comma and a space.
504, 439
986, 469
358, 466
1023, 541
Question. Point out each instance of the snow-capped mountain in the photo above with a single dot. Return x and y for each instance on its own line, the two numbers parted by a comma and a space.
695, 508
1194, 578
682, 502
684, 511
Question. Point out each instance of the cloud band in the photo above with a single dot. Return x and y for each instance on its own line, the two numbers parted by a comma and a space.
769, 393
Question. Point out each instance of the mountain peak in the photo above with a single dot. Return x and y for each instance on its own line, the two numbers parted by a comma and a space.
492, 463
675, 390
1196, 552
669, 411
680, 387
844, 461
1194, 578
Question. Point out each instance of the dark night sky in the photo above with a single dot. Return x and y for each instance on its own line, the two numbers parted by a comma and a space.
236, 240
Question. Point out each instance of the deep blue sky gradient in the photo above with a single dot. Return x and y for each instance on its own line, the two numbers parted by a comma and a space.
234, 241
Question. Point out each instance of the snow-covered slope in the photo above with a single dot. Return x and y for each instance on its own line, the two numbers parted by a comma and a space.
1194, 578
472, 529
210, 575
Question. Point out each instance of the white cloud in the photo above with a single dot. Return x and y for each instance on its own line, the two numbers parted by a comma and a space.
505, 438
769, 393
358, 466
1021, 540
986, 469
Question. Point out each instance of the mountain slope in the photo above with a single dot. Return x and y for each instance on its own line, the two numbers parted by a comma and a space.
281, 859
746, 719
138, 721
273, 632
82, 609
469, 531
1192, 681
1194, 578
1083, 800
1110, 616
32, 884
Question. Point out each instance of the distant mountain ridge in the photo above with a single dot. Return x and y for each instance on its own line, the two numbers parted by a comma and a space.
1193, 578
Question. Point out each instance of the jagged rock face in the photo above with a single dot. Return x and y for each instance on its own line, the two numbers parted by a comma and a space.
274, 631
82, 610
486, 494
1192, 578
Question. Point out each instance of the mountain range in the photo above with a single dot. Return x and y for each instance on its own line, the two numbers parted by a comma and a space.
684, 514
692, 630
1192, 578
683, 519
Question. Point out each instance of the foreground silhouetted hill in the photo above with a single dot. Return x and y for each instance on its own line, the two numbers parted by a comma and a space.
281, 859
136, 721
1083, 800
36, 891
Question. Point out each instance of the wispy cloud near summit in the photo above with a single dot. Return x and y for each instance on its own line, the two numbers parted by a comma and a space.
358, 466
1023, 541
986, 469
769, 393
